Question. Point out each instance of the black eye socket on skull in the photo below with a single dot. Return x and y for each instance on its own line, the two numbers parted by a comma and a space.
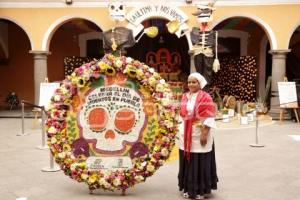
112, 7
121, 7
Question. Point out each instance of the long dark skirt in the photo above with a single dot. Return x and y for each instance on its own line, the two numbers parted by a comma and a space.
198, 176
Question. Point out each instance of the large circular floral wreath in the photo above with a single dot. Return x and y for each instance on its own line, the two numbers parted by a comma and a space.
61, 141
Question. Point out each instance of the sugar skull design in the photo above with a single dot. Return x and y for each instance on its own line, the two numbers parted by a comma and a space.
204, 12
117, 11
111, 118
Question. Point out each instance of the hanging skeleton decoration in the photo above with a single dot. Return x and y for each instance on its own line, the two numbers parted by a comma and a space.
117, 39
204, 42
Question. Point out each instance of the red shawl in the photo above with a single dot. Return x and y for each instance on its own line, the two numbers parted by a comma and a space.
204, 108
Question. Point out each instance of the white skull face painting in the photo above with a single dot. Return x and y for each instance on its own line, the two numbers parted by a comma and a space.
117, 11
111, 118
204, 13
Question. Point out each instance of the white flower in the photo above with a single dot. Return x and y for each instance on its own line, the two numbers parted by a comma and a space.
106, 185
128, 60
73, 166
106, 174
144, 164
116, 182
151, 70
118, 63
53, 140
102, 181
52, 129
169, 123
150, 168
57, 97
159, 87
165, 101
164, 152
162, 81
139, 178
61, 155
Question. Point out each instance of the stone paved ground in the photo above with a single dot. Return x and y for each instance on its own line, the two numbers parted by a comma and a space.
246, 173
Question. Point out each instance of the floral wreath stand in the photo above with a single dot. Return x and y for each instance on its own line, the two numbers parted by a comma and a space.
72, 149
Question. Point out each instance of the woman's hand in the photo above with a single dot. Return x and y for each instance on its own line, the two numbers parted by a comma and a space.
203, 135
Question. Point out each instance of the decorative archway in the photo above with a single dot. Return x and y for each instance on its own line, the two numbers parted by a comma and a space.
291, 34
18, 24
269, 32
54, 26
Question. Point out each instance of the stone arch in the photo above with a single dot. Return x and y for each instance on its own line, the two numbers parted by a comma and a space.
291, 34
269, 32
18, 24
55, 25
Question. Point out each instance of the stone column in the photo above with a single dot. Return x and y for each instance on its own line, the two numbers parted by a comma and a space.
278, 73
40, 71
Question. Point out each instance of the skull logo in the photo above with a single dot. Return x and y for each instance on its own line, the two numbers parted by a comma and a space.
204, 12
111, 118
117, 11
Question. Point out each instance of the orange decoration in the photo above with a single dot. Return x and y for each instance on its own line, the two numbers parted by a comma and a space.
110, 134
118, 79
149, 107
124, 120
75, 102
97, 119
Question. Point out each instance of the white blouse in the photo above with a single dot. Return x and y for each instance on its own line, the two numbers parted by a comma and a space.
196, 147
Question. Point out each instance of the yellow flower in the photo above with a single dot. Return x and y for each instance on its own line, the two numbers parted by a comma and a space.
139, 74
156, 148
92, 178
150, 168
66, 147
110, 71
102, 65
84, 176
81, 82
131, 71
152, 81
166, 139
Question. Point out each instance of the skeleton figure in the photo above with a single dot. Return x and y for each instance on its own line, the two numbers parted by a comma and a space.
117, 39
204, 43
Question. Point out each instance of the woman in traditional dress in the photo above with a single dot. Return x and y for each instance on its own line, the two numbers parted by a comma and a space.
197, 165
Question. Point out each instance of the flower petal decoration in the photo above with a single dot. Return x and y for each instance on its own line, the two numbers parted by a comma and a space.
85, 156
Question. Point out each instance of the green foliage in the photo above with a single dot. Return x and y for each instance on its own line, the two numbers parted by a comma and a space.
71, 128
150, 135
264, 98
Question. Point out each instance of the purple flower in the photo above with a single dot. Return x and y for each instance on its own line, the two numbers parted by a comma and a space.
80, 146
138, 149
